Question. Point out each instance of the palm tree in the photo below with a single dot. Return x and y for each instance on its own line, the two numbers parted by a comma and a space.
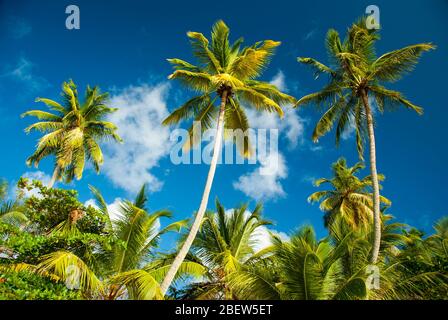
224, 245
336, 267
300, 268
10, 211
349, 198
357, 77
72, 131
130, 267
226, 72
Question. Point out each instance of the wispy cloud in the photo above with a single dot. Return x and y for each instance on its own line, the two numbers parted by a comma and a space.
310, 34
18, 27
23, 72
141, 110
279, 81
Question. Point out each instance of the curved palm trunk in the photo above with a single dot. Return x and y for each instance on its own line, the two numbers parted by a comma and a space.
376, 189
200, 214
55, 176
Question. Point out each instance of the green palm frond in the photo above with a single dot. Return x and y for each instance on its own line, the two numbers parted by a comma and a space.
253, 60
189, 109
42, 115
390, 98
53, 105
140, 284
198, 81
68, 267
236, 121
16, 218
393, 65
317, 66
259, 100
202, 52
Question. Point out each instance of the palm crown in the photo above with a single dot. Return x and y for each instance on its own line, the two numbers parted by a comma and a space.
227, 71
225, 245
350, 198
355, 70
73, 130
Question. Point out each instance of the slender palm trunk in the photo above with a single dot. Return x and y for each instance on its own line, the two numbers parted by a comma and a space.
55, 176
200, 214
376, 189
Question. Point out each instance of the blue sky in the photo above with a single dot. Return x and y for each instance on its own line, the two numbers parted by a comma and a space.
122, 47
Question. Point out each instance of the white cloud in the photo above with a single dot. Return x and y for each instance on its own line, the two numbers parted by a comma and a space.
279, 81
262, 237
316, 148
113, 208
35, 175
264, 183
141, 110
23, 72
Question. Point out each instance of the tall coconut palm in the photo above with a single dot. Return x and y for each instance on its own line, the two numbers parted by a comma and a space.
227, 72
350, 197
357, 78
224, 245
72, 131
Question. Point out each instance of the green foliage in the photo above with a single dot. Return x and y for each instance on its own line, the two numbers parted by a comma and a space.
25, 285
113, 259
45, 234
51, 225
49, 207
